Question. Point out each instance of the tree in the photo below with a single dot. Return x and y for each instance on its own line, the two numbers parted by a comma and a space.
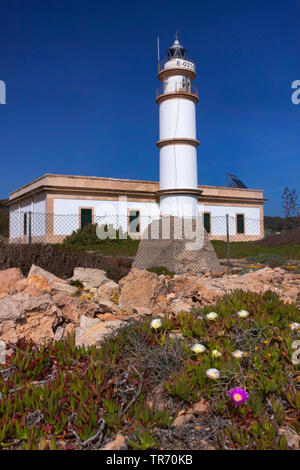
289, 205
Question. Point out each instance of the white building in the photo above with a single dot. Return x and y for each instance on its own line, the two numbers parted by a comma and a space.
53, 206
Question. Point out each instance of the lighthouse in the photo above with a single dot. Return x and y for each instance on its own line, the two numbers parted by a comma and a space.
177, 98
177, 239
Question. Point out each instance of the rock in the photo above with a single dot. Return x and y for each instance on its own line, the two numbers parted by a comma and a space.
218, 273
107, 317
292, 437
200, 408
38, 272
118, 443
24, 316
162, 299
89, 277
108, 289
62, 287
2, 352
141, 311
93, 331
59, 333
40, 282
178, 306
182, 419
140, 288
107, 306
32, 291
72, 308
8, 279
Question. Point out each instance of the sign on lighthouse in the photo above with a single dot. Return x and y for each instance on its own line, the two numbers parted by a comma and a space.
177, 98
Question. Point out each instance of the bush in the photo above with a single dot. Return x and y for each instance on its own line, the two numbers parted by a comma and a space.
271, 259
60, 260
161, 270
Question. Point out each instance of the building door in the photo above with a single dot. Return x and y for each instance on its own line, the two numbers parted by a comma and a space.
86, 217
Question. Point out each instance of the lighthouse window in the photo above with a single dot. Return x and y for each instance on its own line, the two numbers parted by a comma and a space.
134, 221
240, 223
206, 221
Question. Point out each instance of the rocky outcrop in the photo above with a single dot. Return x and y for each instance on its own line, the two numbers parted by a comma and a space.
43, 307
140, 289
8, 279
93, 331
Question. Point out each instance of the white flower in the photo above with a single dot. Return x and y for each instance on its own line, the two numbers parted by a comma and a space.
238, 354
243, 313
296, 344
213, 373
295, 326
198, 348
216, 353
212, 316
156, 323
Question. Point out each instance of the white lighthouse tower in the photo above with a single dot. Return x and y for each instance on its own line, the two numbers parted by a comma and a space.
177, 239
177, 143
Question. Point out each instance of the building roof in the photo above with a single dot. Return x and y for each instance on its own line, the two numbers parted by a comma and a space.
116, 186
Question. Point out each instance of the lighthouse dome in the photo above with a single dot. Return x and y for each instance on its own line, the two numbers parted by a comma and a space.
177, 51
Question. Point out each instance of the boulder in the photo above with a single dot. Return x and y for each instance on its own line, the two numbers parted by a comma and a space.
8, 279
72, 308
40, 272
93, 331
107, 306
108, 289
140, 288
59, 286
90, 278
141, 311
24, 316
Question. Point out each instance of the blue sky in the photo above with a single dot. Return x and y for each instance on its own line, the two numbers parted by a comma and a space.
81, 79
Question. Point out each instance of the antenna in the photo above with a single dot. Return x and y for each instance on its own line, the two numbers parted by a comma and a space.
158, 54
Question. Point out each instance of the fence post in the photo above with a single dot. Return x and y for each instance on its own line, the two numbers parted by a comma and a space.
228, 243
29, 228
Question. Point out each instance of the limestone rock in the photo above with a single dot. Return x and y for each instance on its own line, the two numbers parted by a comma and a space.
72, 308
33, 318
89, 277
63, 287
140, 288
8, 279
178, 306
141, 311
108, 289
93, 331
107, 306
118, 443
37, 271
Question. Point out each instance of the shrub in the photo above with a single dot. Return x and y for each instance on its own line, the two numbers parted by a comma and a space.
161, 270
271, 259
60, 260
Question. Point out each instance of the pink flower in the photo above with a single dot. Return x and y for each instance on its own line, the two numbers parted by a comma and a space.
238, 395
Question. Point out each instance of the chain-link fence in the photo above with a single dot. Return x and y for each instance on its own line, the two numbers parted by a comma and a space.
31, 227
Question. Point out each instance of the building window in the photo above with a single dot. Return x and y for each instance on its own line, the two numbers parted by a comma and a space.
206, 221
240, 223
134, 221
25, 223
86, 217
